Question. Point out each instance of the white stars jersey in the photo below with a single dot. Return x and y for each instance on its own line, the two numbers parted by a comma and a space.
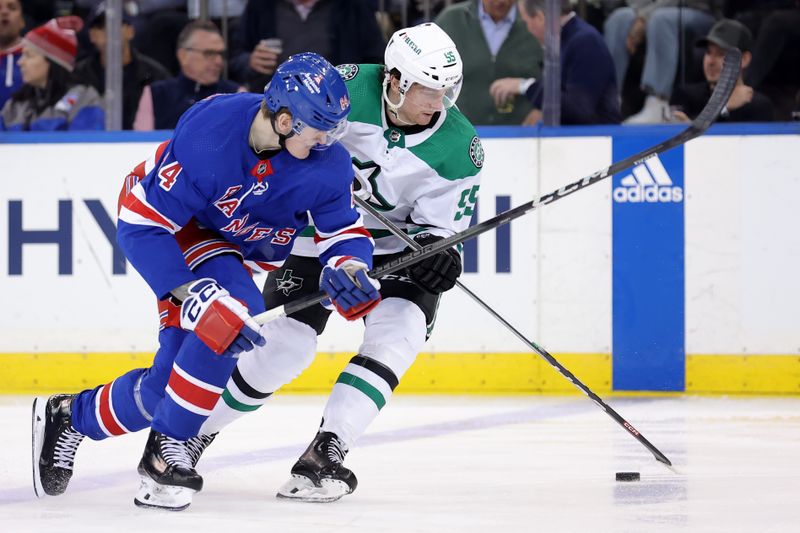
427, 180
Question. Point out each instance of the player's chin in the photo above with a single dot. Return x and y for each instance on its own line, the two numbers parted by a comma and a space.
424, 118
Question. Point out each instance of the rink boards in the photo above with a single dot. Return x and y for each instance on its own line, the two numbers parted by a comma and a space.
677, 275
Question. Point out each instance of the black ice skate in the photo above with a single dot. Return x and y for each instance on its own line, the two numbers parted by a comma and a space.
54, 444
168, 478
319, 475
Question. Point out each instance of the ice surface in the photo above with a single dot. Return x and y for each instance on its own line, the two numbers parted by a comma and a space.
460, 464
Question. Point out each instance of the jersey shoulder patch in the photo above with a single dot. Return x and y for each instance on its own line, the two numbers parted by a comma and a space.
348, 71
476, 151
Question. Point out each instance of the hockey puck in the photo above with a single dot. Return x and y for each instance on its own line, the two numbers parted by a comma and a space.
628, 476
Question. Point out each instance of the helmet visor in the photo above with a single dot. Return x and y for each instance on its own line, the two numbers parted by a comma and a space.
434, 99
319, 139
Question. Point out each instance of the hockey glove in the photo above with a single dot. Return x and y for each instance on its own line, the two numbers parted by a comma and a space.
352, 291
220, 321
439, 272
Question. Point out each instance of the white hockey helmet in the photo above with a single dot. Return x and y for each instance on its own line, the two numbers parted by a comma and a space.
426, 55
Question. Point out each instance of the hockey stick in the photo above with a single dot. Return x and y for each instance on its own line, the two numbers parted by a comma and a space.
725, 85
532, 345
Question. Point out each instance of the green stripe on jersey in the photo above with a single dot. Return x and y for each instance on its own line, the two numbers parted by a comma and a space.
362, 385
454, 151
235, 404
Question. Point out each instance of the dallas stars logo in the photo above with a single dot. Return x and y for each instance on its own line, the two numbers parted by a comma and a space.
476, 152
288, 283
348, 71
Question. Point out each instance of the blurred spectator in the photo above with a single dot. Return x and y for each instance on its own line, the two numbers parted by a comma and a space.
224, 13
201, 54
49, 99
494, 44
11, 26
745, 104
588, 87
269, 31
663, 24
137, 72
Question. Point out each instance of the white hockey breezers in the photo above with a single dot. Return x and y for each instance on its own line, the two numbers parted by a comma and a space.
167, 497
302, 489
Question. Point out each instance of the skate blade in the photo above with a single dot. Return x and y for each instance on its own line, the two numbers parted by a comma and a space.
302, 489
38, 420
152, 495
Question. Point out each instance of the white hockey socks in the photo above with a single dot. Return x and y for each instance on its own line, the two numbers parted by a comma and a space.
395, 333
290, 348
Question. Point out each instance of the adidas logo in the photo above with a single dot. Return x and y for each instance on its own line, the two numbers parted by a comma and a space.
648, 182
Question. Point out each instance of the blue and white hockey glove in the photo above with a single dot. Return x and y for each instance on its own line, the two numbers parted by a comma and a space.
352, 291
439, 272
220, 321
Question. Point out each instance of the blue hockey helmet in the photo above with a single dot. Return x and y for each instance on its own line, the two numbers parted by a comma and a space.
310, 88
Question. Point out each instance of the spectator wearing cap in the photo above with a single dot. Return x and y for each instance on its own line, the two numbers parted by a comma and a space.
50, 99
11, 26
138, 70
745, 104
201, 54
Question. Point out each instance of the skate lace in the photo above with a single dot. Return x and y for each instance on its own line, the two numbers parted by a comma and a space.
65, 448
336, 450
175, 453
197, 445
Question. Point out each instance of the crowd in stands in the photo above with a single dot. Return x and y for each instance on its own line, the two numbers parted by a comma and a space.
634, 61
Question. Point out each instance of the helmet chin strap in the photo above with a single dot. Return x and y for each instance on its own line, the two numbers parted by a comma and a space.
393, 108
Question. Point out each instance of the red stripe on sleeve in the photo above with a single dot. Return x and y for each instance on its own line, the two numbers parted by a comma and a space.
191, 393
360, 232
160, 150
105, 412
133, 203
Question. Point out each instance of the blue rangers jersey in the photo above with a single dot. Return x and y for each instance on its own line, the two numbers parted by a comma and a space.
207, 192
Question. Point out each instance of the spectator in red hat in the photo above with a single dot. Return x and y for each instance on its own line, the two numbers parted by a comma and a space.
49, 98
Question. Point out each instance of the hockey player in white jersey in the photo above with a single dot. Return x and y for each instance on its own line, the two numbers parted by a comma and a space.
418, 161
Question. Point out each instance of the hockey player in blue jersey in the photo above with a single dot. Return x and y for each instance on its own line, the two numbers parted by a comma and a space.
230, 191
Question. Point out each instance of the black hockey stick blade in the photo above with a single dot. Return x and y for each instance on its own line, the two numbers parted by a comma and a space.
720, 96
